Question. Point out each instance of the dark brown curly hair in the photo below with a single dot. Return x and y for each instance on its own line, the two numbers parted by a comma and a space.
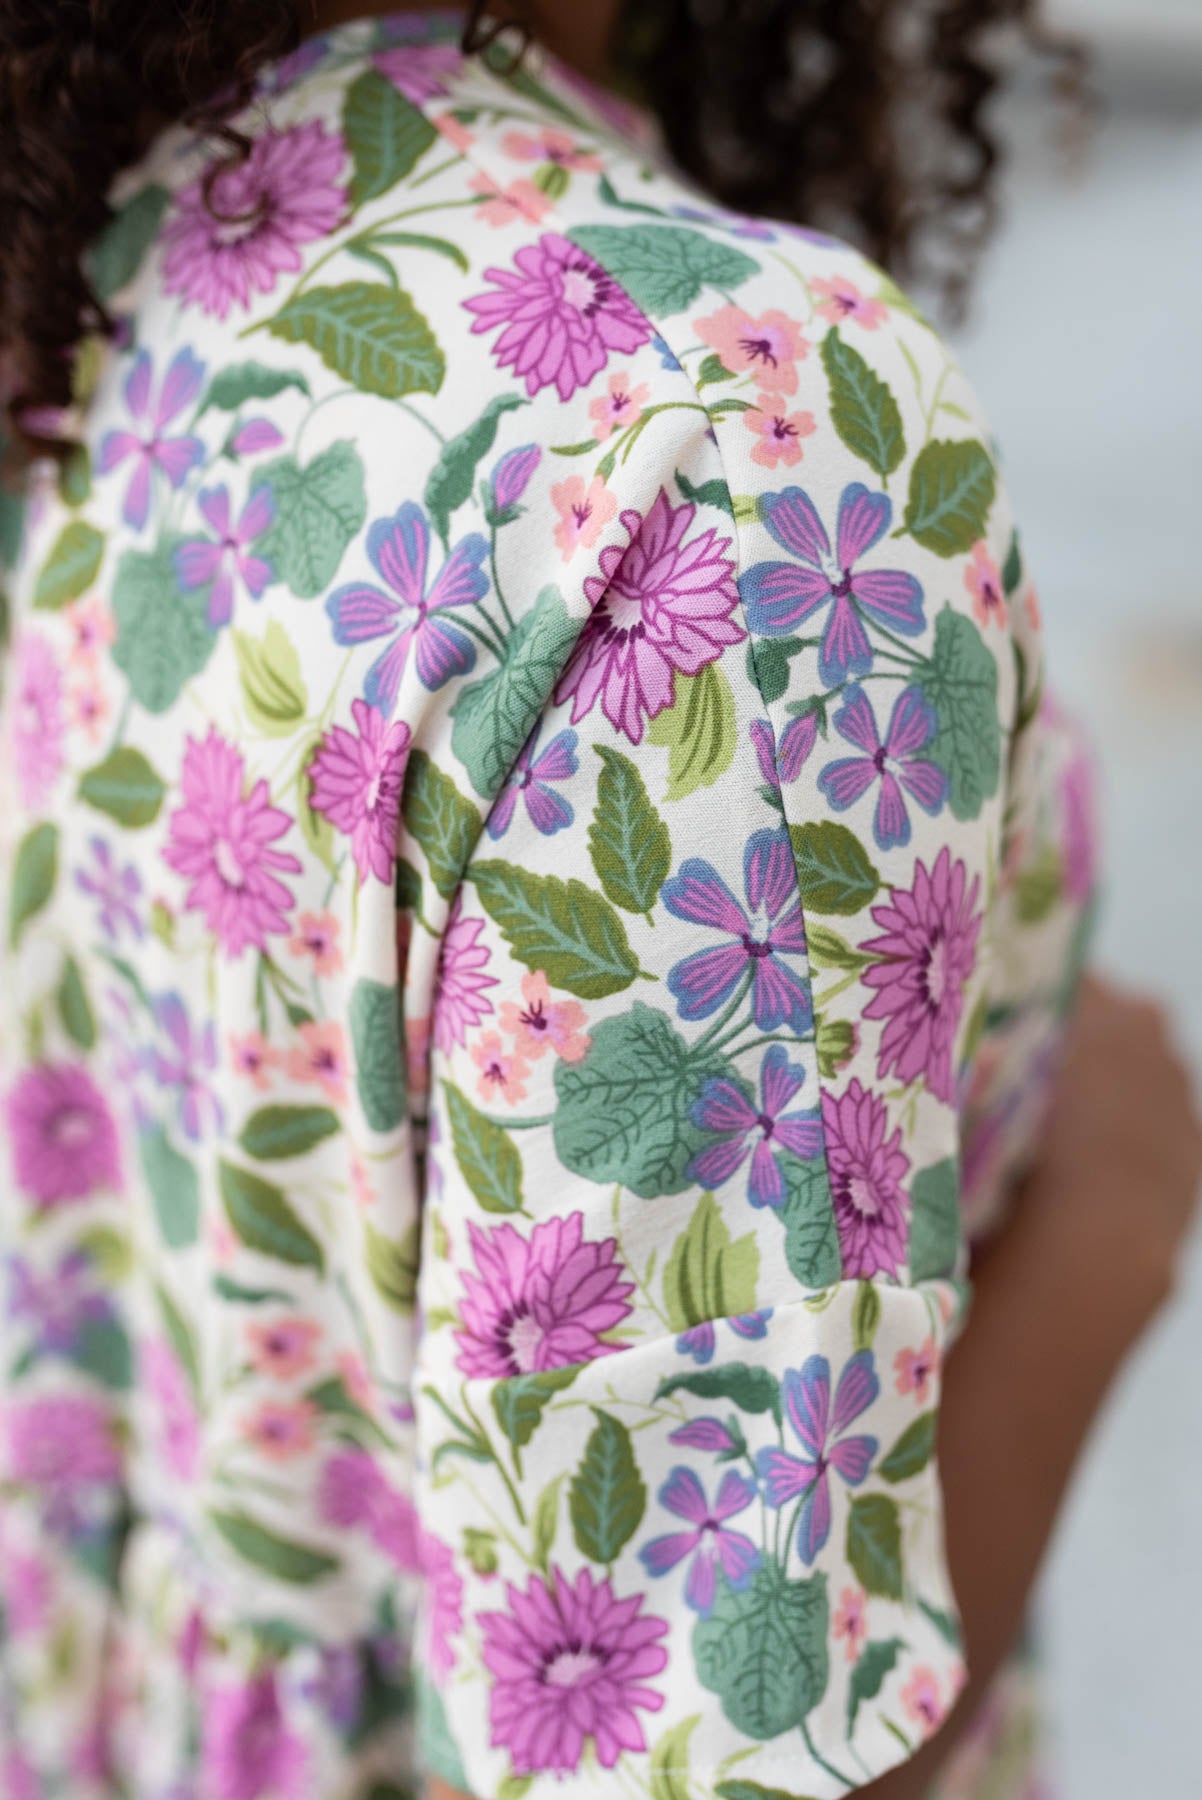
865, 117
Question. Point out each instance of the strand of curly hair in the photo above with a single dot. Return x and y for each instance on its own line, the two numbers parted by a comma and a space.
809, 110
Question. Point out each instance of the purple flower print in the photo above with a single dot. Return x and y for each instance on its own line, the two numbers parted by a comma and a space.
724, 1108
708, 1541
36, 705
246, 1748
64, 1141
356, 784
399, 549
540, 1302
779, 596
459, 998
700, 1341
659, 605
896, 763
192, 1057
444, 1604
761, 935
227, 556
563, 316
509, 482
420, 71
867, 1168
148, 443
784, 761
704, 1434
114, 889
59, 1442
530, 781
178, 1424
60, 1306
254, 436
807, 1397
570, 1661
354, 1492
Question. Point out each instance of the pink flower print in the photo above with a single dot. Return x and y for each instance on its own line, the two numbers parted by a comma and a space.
897, 764
539, 1302
254, 436
459, 999
540, 1024
530, 780
252, 1056
282, 1429
283, 1348
90, 708
191, 1056
19, 1780
421, 71
1033, 613
443, 1601
585, 509
841, 299
26, 1589
502, 1073
562, 314
780, 433
355, 1378
724, 1109
549, 145
821, 1430
921, 1699
709, 1541
618, 408
761, 937
1078, 801
148, 443
780, 596
361, 1183
218, 562
455, 131
115, 890
178, 1425
501, 206
64, 1141
321, 1057
924, 958
353, 1492
570, 1661
247, 1751
662, 604
59, 1443
784, 761
237, 228
356, 784
316, 936
984, 583
914, 1370
92, 628
37, 720
867, 1169
407, 615
850, 1620
220, 840
769, 347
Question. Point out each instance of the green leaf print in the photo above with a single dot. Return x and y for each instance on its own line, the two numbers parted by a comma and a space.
74, 1007
232, 387
369, 333
74, 477
375, 1022
450, 481
627, 840
273, 687
487, 1157
174, 1188
664, 267
863, 410
125, 787
114, 259
960, 682
263, 1219
835, 1043
564, 928
834, 872
606, 1496
265, 1549
1038, 886
753, 1790
35, 871
495, 715
163, 635
865, 1315
935, 1220
912, 1451
1012, 568
71, 567
385, 134
867, 1678
393, 1266
764, 1651
102, 1349
752, 1389
811, 1238
699, 730
707, 1276
874, 1544
544, 1522
276, 1132
669, 1764
182, 1340
318, 509
519, 1402
625, 1110
827, 950
443, 822
952, 486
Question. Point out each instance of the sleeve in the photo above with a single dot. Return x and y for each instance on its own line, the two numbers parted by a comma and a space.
712, 980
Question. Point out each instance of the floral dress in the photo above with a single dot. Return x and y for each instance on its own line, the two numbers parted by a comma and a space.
540, 890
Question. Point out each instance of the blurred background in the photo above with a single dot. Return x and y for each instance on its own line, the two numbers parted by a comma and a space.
1086, 348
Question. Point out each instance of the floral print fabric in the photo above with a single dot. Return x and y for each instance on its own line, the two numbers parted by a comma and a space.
540, 891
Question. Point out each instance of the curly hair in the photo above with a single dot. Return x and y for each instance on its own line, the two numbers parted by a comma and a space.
866, 117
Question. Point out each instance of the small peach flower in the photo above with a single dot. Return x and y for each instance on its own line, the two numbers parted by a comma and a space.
282, 1429
541, 1024
780, 433
769, 347
920, 1697
251, 1055
361, 1183
90, 708
549, 145
454, 130
222, 1241
617, 409
1033, 612
501, 1072
914, 1370
283, 1347
317, 936
92, 628
842, 300
983, 582
585, 509
321, 1057
850, 1620
355, 1378
506, 205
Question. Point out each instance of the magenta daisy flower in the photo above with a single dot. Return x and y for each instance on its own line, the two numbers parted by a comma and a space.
459, 998
240, 225
37, 719
443, 1599
59, 1442
220, 839
570, 1661
64, 1141
821, 1430
867, 1168
247, 1749
218, 562
149, 443
540, 1302
659, 605
765, 1132
420, 71
925, 956
563, 316
897, 763
356, 785
708, 1540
